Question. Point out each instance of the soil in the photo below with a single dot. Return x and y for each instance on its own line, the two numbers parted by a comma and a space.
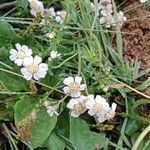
136, 46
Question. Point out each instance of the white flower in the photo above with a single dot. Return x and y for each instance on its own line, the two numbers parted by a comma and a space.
143, 1
96, 105
121, 18
77, 106
107, 20
105, 1
60, 16
51, 35
34, 68
36, 7
19, 54
51, 110
50, 12
74, 86
107, 115
106, 10
54, 54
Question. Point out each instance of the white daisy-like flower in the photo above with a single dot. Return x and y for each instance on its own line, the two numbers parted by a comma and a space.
143, 1
51, 110
77, 106
107, 20
50, 12
74, 86
96, 105
121, 18
19, 54
107, 115
54, 54
36, 7
34, 68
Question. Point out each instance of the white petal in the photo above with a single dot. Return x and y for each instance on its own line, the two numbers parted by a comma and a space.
12, 57
27, 61
73, 114
37, 59
19, 62
18, 46
82, 87
70, 104
58, 19
114, 106
102, 20
75, 94
90, 103
68, 81
24, 48
101, 119
78, 79
43, 67
27, 75
36, 76
28, 52
13, 51
66, 89
99, 99
91, 112
41, 74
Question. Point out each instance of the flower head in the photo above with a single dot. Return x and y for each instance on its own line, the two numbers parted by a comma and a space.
121, 18
77, 105
51, 35
60, 16
54, 54
36, 7
19, 54
107, 20
34, 68
96, 105
50, 12
74, 86
51, 110
107, 115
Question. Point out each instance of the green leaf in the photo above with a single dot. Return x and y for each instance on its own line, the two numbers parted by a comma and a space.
41, 127
23, 4
54, 142
84, 139
13, 83
7, 34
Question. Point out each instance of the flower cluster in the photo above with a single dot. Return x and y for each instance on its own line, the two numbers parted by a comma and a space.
54, 55
78, 104
32, 66
107, 16
37, 7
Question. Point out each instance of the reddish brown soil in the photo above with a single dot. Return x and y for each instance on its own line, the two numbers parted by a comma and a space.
137, 46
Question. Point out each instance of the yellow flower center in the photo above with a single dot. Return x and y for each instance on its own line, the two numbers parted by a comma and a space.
74, 86
110, 114
32, 68
108, 7
79, 108
109, 18
20, 54
97, 108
